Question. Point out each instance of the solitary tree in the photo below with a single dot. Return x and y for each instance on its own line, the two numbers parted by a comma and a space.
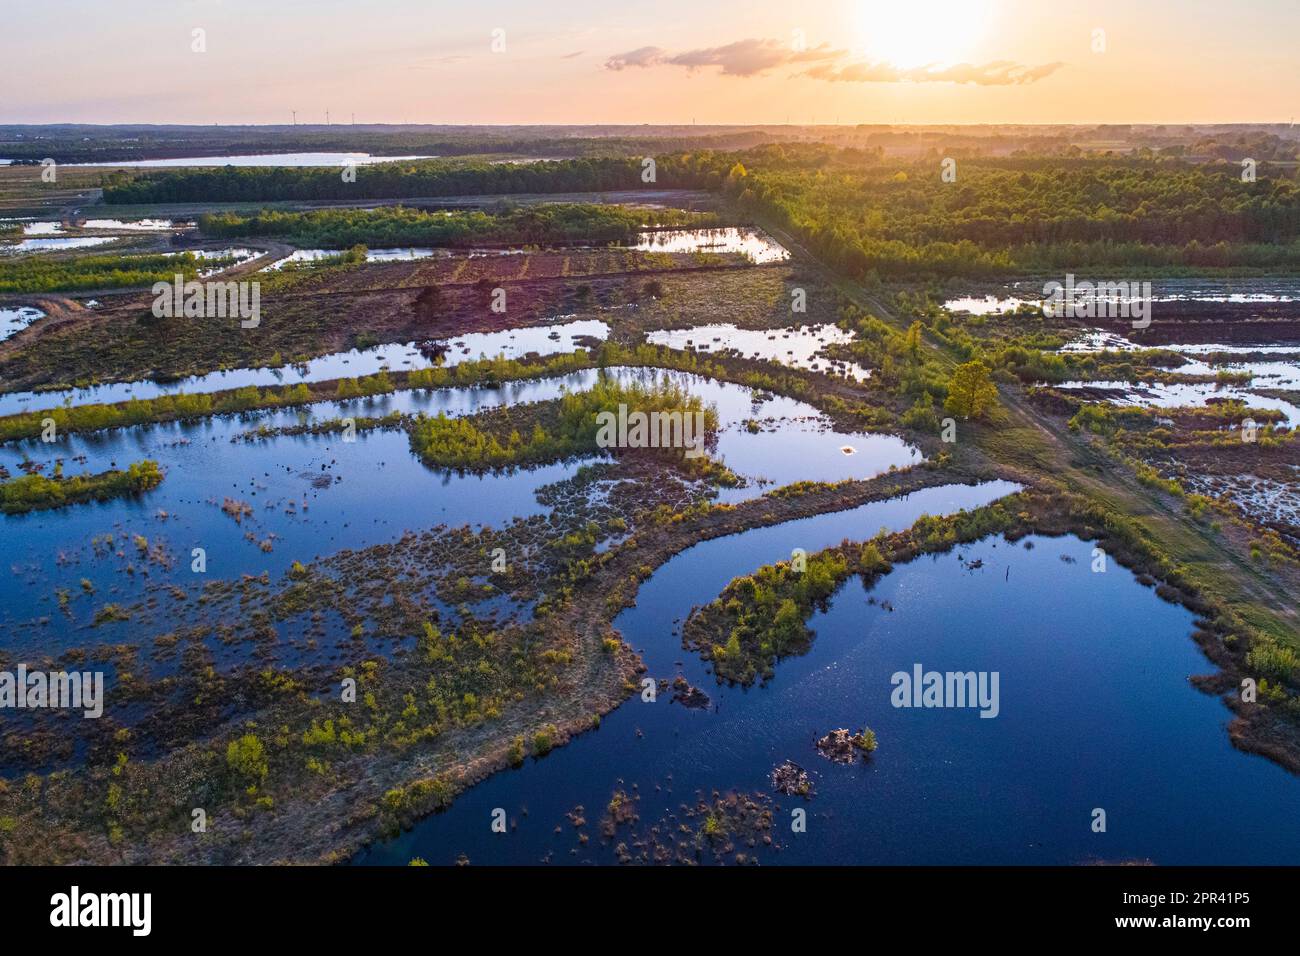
912, 342
970, 391
247, 758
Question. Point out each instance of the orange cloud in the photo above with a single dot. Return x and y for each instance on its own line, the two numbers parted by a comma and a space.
753, 57
742, 58
642, 56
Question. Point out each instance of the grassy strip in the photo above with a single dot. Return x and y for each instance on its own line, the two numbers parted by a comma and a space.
482, 372
43, 274
140, 411
37, 493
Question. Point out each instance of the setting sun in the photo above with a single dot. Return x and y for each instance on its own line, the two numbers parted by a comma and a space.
921, 32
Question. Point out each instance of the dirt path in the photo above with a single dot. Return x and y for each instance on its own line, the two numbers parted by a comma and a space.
62, 310
1262, 587
1077, 460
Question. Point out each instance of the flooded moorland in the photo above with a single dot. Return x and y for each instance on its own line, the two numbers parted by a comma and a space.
304, 495
525, 628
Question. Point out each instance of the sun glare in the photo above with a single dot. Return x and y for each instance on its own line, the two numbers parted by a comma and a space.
910, 33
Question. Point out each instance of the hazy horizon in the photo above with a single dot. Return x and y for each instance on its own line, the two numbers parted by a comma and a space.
927, 62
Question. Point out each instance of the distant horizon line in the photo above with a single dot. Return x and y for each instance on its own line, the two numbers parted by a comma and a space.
642, 126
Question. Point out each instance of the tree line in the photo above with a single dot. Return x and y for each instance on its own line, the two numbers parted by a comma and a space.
409, 180
1001, 217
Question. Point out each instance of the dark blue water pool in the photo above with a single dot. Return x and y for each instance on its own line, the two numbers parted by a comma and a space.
1095, 712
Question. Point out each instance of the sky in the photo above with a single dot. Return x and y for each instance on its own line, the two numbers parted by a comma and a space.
650, 61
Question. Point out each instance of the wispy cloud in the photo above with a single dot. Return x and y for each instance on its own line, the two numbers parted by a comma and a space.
641, 56
754, 57
996, 73
751, 57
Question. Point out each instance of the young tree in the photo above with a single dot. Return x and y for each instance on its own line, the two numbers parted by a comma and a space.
912, 342
971, 391
247, 758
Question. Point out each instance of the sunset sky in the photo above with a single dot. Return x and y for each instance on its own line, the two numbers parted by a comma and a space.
657, 61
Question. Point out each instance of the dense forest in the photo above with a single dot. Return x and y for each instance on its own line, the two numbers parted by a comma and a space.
1020, 215
401, 226
408, 180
